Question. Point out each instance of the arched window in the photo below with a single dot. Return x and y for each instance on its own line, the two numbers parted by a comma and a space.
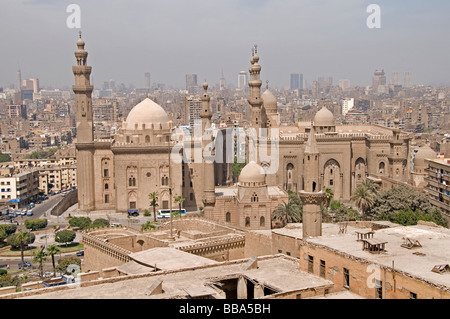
262, 221
247, 221
254, 198
106, 186
228, 217
147, 139
381, 168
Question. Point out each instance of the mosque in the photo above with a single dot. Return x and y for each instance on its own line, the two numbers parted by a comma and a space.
118, 173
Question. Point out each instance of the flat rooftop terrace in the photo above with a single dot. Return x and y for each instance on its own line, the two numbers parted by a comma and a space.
417, 261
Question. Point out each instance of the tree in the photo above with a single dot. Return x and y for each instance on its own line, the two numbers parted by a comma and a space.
80, 222
329, 194
40, 257
100, 223
179, 199
290, 212
65, 236
364, 199
147, 226
237, 167
35, 224
64, 263
52, 250
21, 240
153, 202
406, 200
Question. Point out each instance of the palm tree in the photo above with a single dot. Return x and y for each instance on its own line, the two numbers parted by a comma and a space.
329, 194
371, 185
22, 238
52, 250
153, 202
179, 199
364, 198
39, 257
287, 213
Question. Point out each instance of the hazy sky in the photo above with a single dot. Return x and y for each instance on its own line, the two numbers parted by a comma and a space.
171, 38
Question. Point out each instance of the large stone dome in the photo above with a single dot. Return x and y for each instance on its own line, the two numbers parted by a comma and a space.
147, 115
423, 153
270, 101
324, 118
252, 175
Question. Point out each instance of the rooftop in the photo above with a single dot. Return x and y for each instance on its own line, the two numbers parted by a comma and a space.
278, 273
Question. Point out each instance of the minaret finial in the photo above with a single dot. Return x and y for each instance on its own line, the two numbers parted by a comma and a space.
267, 84
256, 49
79, 32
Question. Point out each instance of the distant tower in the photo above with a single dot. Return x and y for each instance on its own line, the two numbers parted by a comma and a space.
19, 80
312, 196
147, 80
295, 81
242, 80
209, 196
85, 129
222, 83
255, 83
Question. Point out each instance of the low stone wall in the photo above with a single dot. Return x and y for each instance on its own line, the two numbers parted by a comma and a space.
69, 200
7, 290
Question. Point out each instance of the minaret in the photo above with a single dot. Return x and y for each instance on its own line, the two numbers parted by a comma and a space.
255, 83
85, 130
209, 196
311, 195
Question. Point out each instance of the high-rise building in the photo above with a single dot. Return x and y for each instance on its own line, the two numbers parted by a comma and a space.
147, 80
242, 80
395, 78
378, 81
295, 81
193, 108
31, 84
344, 84
325, 82
347, 105
407, 80
191, 83
222, 83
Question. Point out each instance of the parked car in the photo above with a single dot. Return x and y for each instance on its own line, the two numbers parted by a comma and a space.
80, 253
23, 213
25, 263
30, 213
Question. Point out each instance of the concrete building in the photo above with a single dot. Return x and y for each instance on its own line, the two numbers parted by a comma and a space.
438, 182
20, 189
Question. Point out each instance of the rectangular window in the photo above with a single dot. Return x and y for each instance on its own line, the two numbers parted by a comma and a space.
191, 196
346, 278
132, 205
331, 182
322, 268
105, 172
106, 198
165, 204
310, 264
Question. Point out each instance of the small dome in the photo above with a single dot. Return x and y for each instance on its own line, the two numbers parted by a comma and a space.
423, 153
270, 101
147, 112
324, 118
252, 173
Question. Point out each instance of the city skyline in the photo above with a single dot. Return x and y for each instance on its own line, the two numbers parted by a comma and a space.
170, 40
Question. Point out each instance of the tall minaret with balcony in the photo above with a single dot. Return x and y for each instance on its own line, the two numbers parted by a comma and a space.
209, 196
85, 129
255, 83
312, 196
